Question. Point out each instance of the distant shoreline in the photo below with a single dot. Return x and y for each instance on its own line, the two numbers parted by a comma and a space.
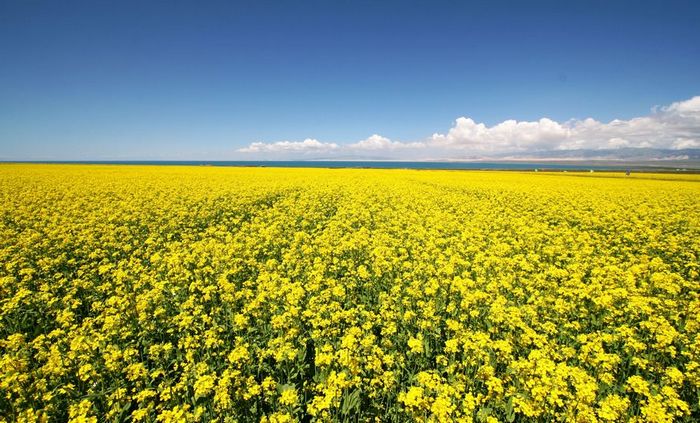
546, 166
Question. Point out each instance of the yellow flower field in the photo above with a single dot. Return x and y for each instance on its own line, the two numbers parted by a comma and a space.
158, 294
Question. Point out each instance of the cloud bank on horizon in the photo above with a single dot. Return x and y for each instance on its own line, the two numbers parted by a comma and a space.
672, 127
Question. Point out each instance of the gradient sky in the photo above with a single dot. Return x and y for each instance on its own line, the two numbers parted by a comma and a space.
204, 80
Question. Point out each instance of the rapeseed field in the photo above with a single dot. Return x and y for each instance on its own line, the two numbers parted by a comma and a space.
168, 294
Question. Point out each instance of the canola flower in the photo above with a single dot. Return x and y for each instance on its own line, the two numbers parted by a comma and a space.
196, 294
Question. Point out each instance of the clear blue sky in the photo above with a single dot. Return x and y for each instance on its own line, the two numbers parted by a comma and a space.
180, 79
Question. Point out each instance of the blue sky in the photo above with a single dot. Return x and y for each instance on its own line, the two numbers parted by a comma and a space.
238, 80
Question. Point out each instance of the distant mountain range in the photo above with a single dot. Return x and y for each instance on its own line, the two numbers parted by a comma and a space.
647, 157
664, 157
634, 154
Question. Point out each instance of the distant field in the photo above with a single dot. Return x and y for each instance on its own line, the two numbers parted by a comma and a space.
672, 166
174, 293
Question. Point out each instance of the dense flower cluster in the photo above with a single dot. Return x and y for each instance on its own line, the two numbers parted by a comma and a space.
161, 294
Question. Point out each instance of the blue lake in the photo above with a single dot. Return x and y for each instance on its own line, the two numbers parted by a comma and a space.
393, 164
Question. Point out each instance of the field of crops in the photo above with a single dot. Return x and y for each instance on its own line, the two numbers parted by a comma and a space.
158, 294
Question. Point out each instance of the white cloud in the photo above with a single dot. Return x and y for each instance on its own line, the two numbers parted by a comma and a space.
378, 142
684, 107
682, 143
676, 126
509, 135
308, 144
673, 127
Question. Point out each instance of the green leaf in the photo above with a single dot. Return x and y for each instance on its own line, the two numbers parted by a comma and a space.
351, 402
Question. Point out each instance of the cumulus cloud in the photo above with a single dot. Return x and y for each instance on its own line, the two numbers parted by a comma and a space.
378, 142
691, 106
673, 127
506, 136
308, 144
676, 126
